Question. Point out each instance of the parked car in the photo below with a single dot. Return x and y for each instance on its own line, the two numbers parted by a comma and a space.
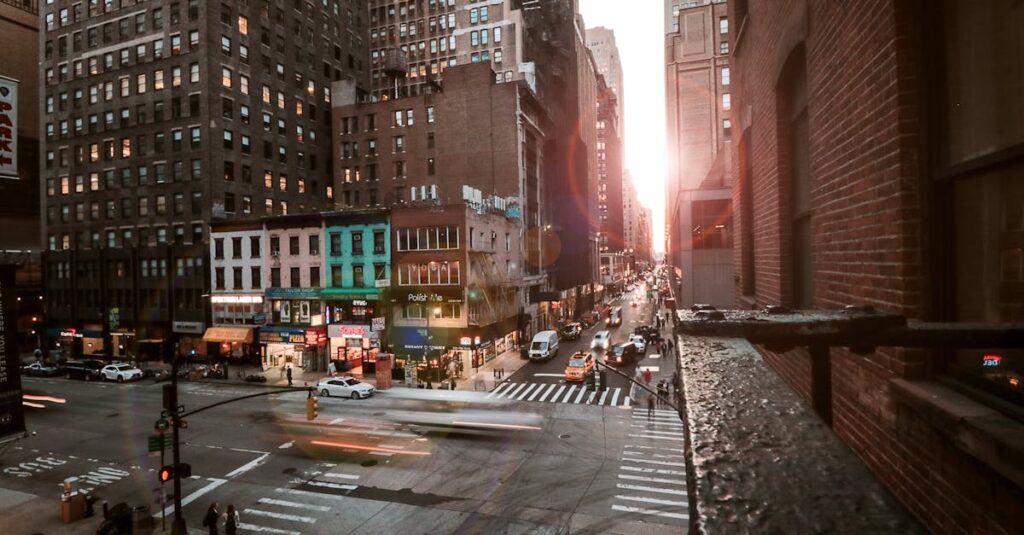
87, 370
620, 353
570, 331
121, 372
40, 369
639, 342
601, 340
580, 364
345, 387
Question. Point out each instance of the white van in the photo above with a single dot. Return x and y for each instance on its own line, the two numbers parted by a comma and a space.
601, 340
544, 345
614, 318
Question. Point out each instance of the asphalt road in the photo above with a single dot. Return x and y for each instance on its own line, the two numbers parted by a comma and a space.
534, 380
569, 468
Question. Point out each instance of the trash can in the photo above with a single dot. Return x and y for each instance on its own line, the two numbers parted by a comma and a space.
142, 520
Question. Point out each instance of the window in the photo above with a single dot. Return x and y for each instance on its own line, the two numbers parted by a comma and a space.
378, 242
723, 25
295, 278
275, 277
726, 101
335, 244
725, 75
314, 276
314, 244
220, 278
218, 248
357, 276
428, 238
293, 245
430, 273
236, 278
357, 243
336, 277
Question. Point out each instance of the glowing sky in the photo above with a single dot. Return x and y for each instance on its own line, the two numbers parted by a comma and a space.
640, 35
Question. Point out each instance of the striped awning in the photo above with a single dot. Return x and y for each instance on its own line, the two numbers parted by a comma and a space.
228, 334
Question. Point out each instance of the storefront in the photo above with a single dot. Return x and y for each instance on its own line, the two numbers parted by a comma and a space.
231, 342
455, 351
92, 341
353, 347
190, 338
283, 346
122, 342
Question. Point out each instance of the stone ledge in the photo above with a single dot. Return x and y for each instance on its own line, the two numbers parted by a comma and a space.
976, 429
762, 461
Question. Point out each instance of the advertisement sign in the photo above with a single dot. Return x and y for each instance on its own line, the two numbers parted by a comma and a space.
8, 128
351, 330
114, 318
282, 335
12, 416
316, 336
377, 324
420, 295
293, 293
187, 327
382, 283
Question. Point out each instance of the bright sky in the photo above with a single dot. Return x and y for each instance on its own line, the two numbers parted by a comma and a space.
640, 35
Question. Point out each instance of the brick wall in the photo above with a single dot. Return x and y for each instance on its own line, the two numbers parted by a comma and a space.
863, 85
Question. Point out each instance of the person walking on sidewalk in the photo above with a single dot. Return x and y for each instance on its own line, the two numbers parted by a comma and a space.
288, 372
211, 518
650, 406
662, 392
231, 520
647, 376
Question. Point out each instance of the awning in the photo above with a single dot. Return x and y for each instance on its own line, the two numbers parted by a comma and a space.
228, 334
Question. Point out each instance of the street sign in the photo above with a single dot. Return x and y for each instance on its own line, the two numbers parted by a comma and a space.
158, 442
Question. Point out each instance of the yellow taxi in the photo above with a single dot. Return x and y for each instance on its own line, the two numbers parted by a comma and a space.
580, 364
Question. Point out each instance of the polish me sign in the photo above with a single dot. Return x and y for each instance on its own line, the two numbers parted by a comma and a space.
8, 128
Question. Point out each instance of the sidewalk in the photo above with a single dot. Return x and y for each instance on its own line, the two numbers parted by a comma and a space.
662, 366
276, 376
486, 379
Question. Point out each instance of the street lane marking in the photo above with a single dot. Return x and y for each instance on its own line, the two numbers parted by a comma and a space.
655, 455
604, 395
248, 466
649, 512
331, 485
673, 425
310, 494
650, 489
668, 433
512, 394
590, 398
527, 391
538, 391
643, 470
214, 483
280, 516
649, 461
341, 476
626, 402
655, 437
498, 390
549, 375
391, 446
559, 389
336, 421
615, 397
264, 529
568, 394
652, 479
657, 411
296, 505
654, 501
655, 448
583, 391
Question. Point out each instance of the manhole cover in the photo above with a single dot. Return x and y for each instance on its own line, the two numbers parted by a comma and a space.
368, 462
564, 436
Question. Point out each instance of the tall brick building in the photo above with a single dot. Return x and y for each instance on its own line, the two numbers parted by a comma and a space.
879, 156
159, 117
413, 42
699, 175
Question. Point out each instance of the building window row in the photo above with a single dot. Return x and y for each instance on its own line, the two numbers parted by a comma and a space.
430, 273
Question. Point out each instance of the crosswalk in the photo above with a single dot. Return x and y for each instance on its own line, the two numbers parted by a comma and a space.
561, 393
651, 481
288, 511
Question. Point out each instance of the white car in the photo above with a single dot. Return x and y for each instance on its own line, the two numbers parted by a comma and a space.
345, 387
601, 340
120, 373
639, 342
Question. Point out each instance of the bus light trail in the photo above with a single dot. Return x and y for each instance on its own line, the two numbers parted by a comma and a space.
345, 445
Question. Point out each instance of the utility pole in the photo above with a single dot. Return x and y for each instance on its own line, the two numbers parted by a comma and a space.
178, 526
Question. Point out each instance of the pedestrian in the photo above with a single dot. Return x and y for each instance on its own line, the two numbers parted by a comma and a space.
662, 392
650, 406
675, 381
430, 386
669, 345
288, 372
210, 518
451, 383
647, 376
231, 521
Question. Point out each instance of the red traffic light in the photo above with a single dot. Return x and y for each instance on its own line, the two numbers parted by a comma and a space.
166, 474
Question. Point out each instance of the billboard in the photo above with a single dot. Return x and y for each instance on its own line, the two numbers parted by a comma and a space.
12, 416
8, 128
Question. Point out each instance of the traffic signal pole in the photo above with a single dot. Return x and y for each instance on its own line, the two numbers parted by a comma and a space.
178, 526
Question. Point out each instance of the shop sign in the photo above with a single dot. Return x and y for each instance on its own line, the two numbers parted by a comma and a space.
466, 341
359, 303
293, 293
70, 333
377, 324
382, 283
187, 327
316, 337
419, 296
8, 128
348, 330
282, 336
12, 415
259, 318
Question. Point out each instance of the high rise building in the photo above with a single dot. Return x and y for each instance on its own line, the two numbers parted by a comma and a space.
698, 184
413, 42
159, 117
601, 42
609, 172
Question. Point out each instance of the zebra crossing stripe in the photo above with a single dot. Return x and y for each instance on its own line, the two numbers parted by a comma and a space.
498, 390
603, 396
624, 509
615, 397
514, 391
280, 516
650, 489
568, 394
652, 471
655, 448
649, 461
652, 479
558, 393
296, 505
655, 455
590, 398
667, 433
309, 494
528, 390
654, 437
583, 392
536, 393
264, 529
655, 501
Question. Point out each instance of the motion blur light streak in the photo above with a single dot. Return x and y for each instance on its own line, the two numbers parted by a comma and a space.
36, 405
32, 397
365, 448
498, 426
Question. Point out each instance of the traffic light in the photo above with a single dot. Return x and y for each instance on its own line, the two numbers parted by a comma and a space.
312, 406
167, 472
